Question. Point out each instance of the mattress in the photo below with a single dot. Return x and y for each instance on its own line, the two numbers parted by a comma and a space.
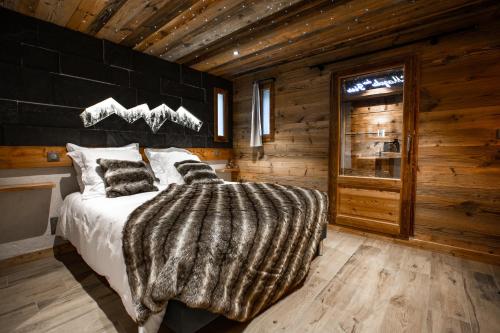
94, 226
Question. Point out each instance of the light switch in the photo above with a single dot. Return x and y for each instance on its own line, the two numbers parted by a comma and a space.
52, 156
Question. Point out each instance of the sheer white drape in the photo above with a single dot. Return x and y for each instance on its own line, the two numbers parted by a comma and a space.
256, 126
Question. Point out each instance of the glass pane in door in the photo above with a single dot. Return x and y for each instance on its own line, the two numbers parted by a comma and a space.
372, 124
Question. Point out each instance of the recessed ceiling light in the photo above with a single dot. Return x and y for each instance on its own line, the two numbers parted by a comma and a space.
236, 52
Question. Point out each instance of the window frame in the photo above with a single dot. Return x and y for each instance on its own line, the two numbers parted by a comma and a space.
262, 86
225, 137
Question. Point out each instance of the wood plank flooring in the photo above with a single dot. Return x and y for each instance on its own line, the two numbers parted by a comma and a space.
358, 285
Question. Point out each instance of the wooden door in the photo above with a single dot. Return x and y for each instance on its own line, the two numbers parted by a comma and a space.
372, 160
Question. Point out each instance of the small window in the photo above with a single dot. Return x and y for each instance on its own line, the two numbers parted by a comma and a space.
220, 115
267, 110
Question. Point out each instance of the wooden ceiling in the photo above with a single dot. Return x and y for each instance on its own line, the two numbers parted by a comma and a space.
233, 37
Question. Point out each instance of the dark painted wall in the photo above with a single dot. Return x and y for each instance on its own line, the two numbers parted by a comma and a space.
49, 74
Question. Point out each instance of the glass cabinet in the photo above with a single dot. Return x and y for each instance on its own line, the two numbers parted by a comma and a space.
372, 123
371, 161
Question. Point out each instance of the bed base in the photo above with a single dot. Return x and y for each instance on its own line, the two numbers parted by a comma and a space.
319, 251
182, 319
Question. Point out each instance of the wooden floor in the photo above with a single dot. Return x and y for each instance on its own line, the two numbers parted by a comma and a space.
359, 285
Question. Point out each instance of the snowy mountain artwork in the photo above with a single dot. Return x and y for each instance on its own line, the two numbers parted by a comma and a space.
155, 118
160, 114
133, 114
94, 114
185, 118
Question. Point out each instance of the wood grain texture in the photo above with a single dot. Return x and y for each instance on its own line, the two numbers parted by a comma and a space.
128, 18
26, 7
452, 250
404, 290
157, 18
376, 204
104, 15
25, 187
203, 33
346, 21
238, 17
457, 171
10, 263
56, 11
15, 157
85, 14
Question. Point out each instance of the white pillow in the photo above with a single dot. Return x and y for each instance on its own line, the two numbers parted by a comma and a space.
169, 150
162, 162
77, 161
92, 175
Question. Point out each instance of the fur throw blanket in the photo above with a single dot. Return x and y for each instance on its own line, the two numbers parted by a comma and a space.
232, 249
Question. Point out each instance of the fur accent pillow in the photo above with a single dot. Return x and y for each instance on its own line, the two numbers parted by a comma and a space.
73, 152
126, 177
196, 172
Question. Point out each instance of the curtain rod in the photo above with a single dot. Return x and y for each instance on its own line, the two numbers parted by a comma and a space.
434, 39
263, 80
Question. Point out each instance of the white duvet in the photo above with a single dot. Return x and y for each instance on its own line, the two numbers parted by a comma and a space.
94, 226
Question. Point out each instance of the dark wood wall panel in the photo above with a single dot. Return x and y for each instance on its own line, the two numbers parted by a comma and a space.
457, 185
49, 74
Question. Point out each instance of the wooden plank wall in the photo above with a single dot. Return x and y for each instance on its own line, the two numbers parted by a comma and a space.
458, 179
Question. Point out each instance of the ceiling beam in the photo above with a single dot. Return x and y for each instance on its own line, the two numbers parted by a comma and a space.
431, 30
55, 11
204, 34
335, 22
161, 16
185, 23
227, 44
225, 24
106, 13
368, 24
26, 7
86, 12
128, 18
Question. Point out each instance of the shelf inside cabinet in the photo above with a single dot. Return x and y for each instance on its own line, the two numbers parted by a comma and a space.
374, 93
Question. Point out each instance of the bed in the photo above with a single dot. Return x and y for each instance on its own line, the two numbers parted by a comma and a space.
94, 226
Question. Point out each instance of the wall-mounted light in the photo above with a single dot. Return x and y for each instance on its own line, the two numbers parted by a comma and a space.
236, 53
377, 81
155, 118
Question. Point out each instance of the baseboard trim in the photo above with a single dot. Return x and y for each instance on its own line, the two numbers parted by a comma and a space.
36, 255
425, 245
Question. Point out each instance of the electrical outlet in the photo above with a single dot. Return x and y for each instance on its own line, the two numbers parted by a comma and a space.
52, 156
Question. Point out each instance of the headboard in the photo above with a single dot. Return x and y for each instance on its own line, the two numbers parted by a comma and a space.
50, 75
17, 157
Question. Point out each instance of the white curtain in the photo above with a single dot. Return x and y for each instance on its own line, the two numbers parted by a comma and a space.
256, 127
